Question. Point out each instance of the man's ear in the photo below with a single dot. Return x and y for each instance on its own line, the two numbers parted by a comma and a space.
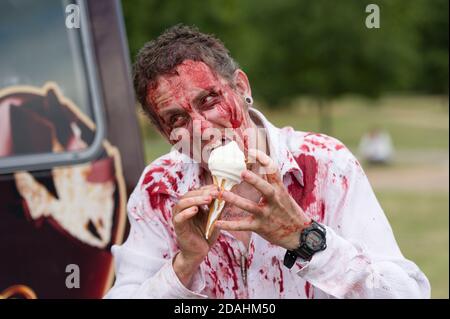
241, 83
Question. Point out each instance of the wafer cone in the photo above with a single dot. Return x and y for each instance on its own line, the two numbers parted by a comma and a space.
215, 209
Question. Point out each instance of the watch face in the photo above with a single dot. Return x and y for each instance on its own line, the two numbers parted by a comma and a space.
314, 241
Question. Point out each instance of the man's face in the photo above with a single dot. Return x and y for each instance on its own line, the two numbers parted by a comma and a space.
194, 100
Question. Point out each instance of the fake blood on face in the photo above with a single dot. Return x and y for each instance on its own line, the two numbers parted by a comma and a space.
182, 88
182, 93
232, 108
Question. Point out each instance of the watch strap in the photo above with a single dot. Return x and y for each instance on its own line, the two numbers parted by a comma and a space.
303, 251
289, 259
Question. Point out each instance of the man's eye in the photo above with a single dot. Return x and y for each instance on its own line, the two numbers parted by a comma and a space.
177, 120
210, 99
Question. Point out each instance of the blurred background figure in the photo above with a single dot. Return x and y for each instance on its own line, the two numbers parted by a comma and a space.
376, 147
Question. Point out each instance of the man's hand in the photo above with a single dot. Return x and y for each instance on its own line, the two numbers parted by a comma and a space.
277, 217
189, 228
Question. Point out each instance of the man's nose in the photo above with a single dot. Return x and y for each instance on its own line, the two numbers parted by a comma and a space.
198, 121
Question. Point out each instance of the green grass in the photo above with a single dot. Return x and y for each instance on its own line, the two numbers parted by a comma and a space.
420, 224
413, 122
418, 124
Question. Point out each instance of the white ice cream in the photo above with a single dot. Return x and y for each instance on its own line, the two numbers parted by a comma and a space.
226, 164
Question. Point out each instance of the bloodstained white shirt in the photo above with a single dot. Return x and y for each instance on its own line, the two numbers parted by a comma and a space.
362, 258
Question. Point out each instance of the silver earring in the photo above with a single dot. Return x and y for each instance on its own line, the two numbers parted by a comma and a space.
248, 100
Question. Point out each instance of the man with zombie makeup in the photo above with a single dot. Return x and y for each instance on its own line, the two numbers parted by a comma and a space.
304, 222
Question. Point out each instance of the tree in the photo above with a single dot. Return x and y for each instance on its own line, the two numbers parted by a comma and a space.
324, 49
319, 48
432, 28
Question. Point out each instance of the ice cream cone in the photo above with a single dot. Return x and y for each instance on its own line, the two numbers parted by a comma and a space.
226, 164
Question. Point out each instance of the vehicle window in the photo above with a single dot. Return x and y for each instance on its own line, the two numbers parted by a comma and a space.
50, 107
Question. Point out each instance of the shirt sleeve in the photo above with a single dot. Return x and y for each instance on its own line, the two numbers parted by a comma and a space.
362, 258
143, 263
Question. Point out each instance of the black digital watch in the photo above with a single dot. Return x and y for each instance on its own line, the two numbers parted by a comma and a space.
312, 240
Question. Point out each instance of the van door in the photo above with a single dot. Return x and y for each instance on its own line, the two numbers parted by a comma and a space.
70, 149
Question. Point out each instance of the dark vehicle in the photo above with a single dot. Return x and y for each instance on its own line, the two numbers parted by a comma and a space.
70, 148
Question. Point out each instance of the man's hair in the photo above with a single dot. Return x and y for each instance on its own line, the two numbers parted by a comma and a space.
175, 45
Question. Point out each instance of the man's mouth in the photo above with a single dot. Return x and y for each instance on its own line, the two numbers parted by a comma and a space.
220, 142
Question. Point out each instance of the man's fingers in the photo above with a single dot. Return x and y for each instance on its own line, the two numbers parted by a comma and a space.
203, 191
246, 224
242, 203
270, 168
264, 160
184, 215
259, 183
184, 203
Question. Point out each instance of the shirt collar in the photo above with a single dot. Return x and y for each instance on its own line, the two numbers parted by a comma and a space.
278, 148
